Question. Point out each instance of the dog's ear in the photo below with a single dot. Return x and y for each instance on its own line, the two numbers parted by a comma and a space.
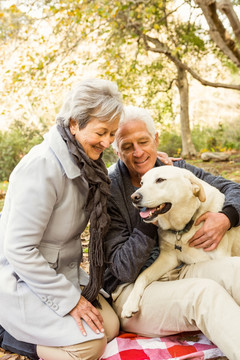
197, 187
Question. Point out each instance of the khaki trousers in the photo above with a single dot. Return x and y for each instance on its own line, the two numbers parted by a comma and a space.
89, 350
203, 296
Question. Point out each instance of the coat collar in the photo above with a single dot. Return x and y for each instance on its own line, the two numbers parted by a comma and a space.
60, 150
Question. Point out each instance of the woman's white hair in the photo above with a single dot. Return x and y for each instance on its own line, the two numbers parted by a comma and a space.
132, 113
91, 97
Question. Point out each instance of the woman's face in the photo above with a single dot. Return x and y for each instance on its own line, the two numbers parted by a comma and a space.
96, 136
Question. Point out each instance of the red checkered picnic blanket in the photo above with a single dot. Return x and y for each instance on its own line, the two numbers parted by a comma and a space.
192, 345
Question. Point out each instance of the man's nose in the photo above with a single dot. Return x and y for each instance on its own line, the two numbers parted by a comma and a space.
137, 151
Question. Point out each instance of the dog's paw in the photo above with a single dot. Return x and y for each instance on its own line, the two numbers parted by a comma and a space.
127, 313
129, 310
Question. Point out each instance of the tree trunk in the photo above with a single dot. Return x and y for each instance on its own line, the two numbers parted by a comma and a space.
188, 149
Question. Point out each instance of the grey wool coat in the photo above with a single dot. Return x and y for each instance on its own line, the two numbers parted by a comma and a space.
40, 247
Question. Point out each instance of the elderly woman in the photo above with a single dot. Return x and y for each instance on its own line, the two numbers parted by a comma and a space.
49, 307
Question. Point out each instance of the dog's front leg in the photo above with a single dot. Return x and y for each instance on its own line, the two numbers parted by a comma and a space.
165, 262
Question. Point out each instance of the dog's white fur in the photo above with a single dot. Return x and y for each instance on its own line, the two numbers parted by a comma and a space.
190, 197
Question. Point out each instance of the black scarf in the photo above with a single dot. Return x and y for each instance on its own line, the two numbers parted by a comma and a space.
95, 173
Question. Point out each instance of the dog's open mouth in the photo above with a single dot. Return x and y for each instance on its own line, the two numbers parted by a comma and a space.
150, 213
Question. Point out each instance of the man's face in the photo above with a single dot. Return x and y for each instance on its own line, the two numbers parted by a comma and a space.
136, 148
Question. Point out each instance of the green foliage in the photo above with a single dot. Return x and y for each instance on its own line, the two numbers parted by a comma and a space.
170, 142
3, 191
109, 156
1, 204
224, 137
14, 144
189, 39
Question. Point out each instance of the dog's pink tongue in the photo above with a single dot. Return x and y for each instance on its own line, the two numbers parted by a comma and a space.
144, 214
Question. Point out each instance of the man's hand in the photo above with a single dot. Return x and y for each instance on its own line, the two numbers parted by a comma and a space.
165, 159
212, 231
85, 310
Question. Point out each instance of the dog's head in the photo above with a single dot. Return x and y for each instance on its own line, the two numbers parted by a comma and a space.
169, 195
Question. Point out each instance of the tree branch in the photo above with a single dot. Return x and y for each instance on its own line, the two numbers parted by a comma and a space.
227, 8
163, 49
217, 31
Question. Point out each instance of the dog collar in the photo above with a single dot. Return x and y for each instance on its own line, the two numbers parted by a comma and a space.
179, 233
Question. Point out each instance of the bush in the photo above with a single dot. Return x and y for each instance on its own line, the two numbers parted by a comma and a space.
109, 156
224, 137
14, 144
170, 142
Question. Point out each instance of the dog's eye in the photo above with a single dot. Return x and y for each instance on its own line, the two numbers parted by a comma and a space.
159, 180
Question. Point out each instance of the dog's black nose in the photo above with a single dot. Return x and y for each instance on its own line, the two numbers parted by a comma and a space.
136, 197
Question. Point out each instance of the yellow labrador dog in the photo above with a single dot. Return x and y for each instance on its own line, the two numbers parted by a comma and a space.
175, 198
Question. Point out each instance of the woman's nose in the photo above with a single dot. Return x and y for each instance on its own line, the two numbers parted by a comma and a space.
106, 141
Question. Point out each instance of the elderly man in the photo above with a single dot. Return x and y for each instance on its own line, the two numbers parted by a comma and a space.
203, 296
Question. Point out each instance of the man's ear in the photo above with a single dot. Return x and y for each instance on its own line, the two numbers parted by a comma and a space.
115, 151
73, 126
157, 138
118, 154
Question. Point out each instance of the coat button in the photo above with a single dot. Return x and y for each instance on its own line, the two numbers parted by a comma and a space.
49, 302
55, 307
43, 298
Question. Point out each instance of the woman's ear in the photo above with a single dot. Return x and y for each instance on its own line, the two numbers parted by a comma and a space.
73, 126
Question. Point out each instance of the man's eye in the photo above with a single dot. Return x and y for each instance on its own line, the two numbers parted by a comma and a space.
100, 134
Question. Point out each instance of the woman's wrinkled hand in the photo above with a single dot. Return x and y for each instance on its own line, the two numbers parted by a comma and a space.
86, 311
165, 159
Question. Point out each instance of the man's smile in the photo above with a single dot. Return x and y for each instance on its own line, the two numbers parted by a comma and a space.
141, 162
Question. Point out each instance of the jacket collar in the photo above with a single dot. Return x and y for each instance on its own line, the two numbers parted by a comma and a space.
60, 150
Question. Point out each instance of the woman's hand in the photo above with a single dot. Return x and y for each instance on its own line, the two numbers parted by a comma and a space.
86, 311
212, 231
165, 159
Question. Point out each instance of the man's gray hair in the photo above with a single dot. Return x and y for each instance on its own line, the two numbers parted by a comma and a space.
132, 113
91, 97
